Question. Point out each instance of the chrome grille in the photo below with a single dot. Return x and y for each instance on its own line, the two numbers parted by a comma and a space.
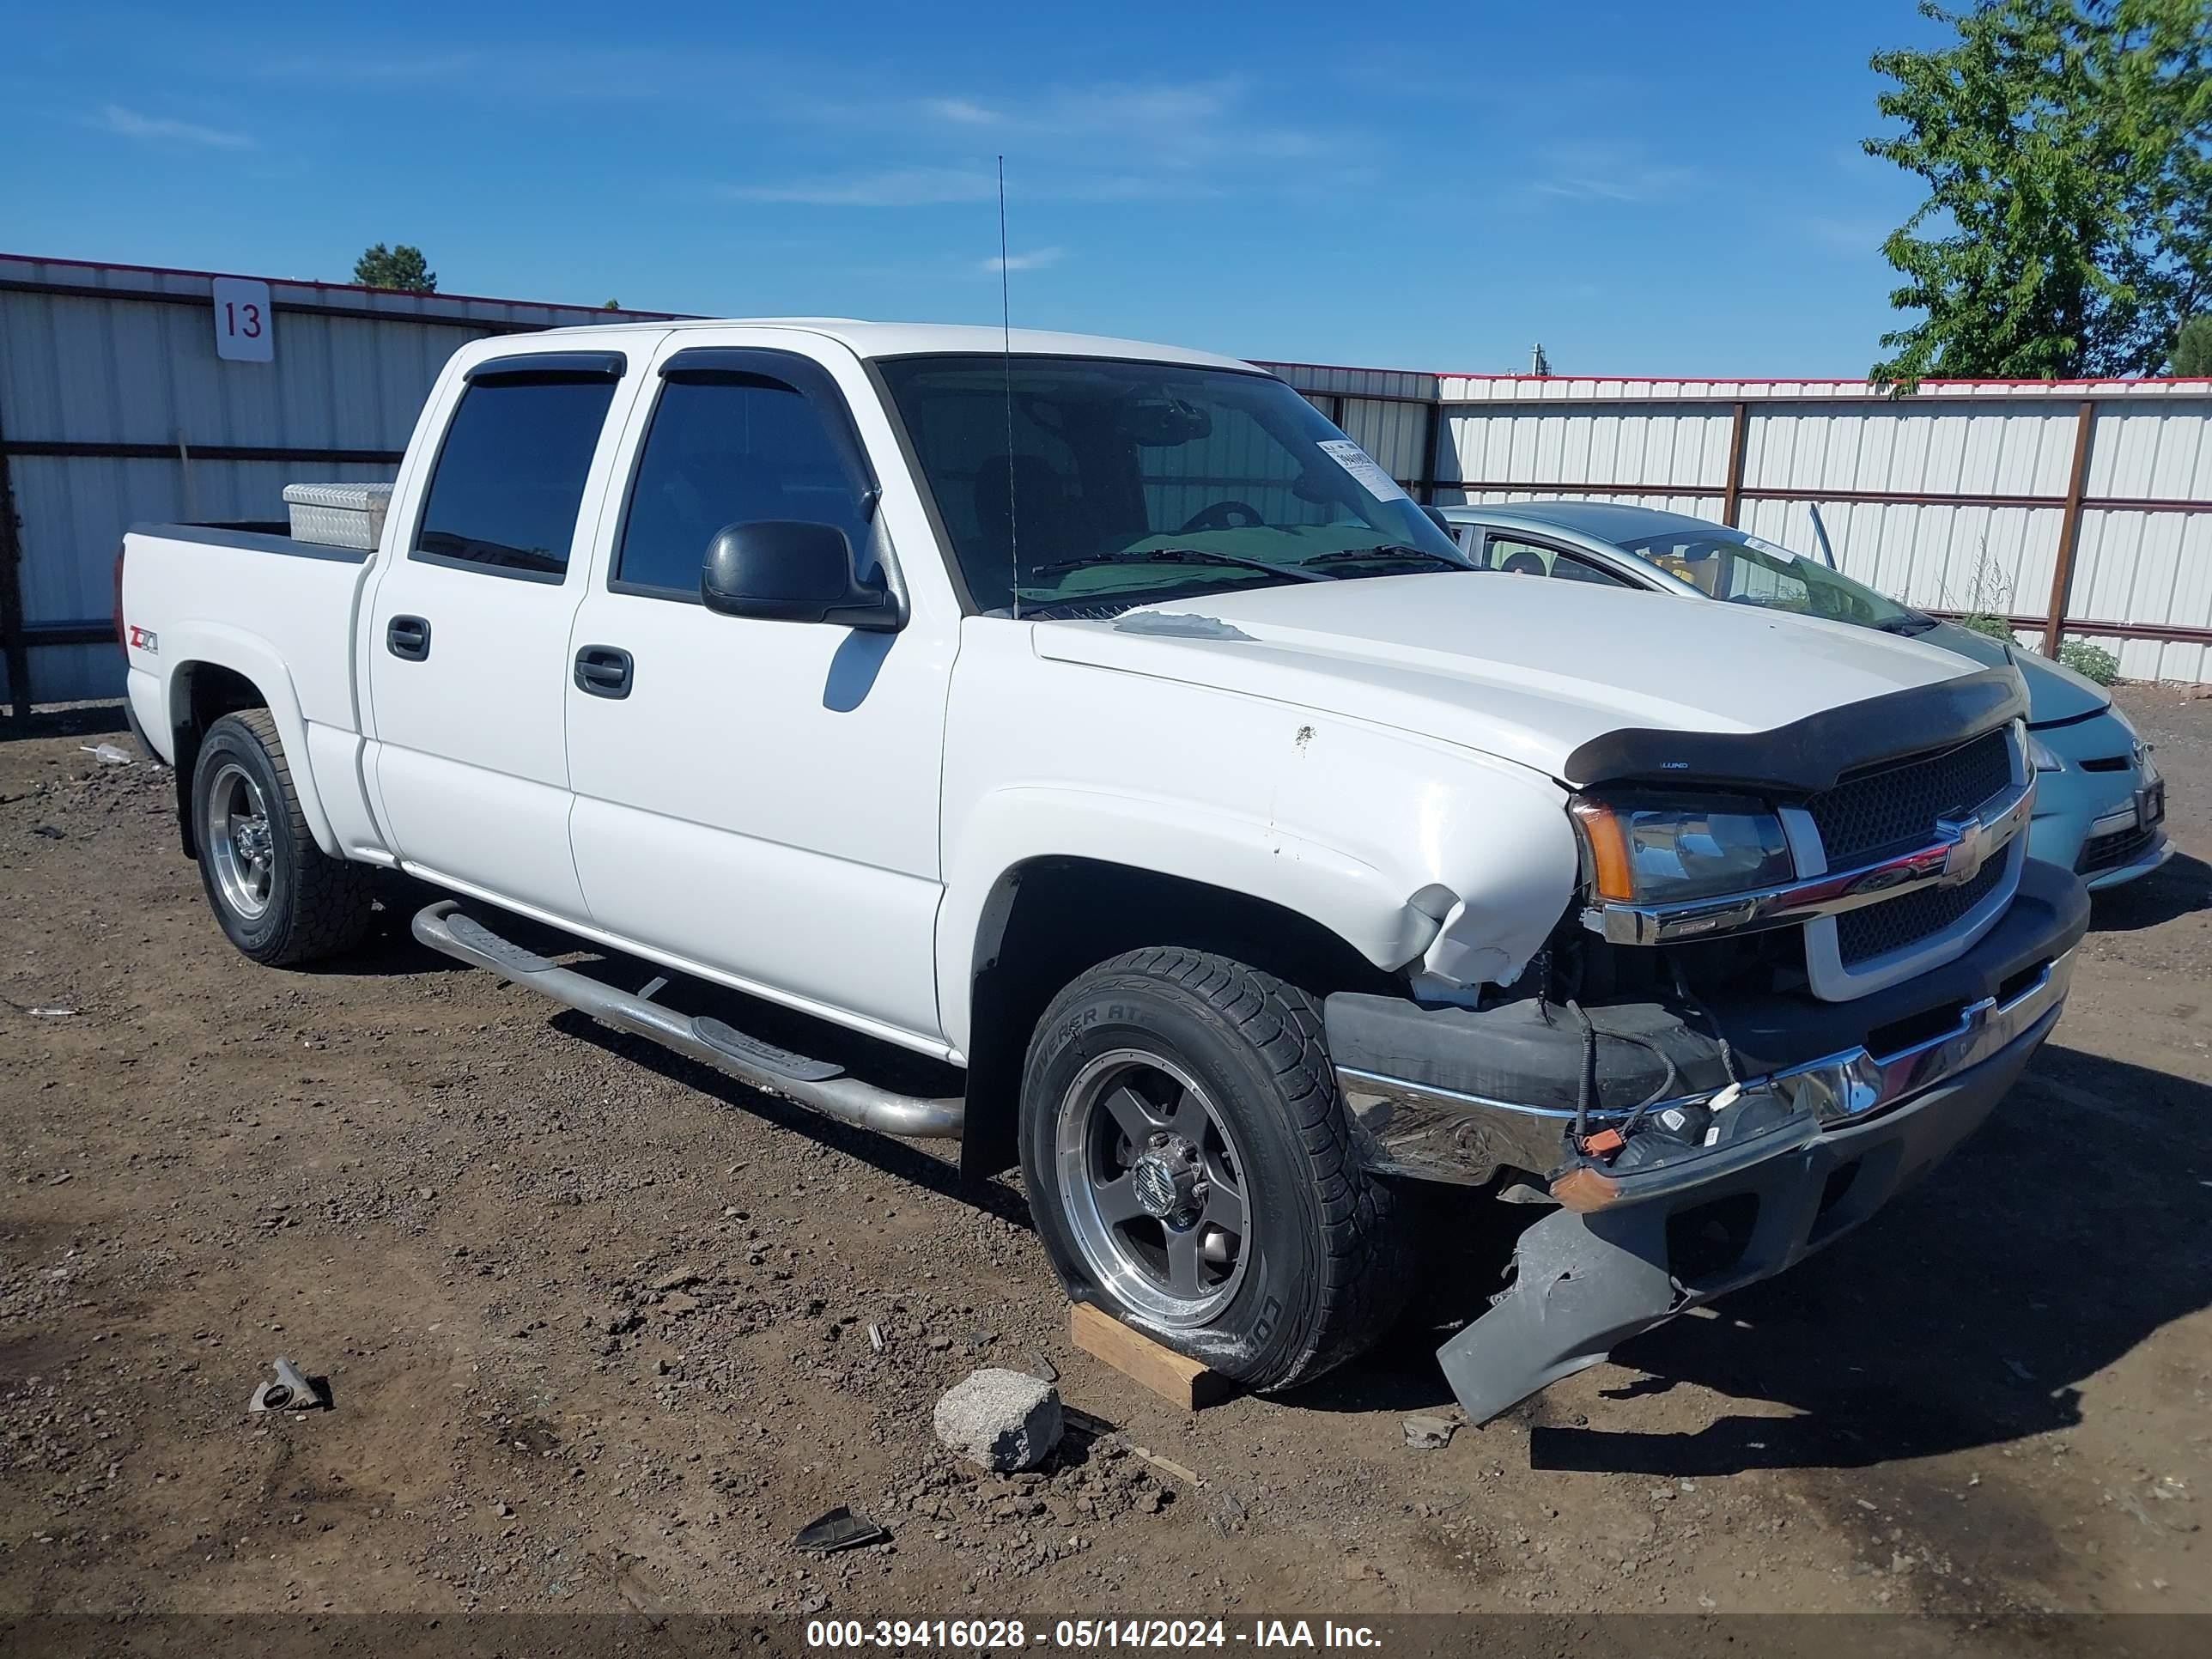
1875, 930
1894, 807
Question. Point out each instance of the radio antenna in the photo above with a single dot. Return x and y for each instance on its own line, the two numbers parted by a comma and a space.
1006, 353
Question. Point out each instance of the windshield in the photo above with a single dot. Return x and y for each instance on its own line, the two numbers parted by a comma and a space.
1746, 570
1094, 486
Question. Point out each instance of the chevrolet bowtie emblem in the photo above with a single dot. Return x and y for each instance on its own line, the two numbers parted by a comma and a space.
1969, 846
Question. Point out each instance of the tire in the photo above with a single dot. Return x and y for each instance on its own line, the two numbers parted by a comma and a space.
1304, 1270
280, 897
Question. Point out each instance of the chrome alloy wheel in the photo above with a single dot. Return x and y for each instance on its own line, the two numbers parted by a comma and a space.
239, 837
1154, 1184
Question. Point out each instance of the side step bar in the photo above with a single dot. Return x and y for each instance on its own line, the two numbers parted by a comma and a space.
818, 1085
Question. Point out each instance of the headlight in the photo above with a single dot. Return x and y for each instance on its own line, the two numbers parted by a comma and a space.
2039, 756
1660, 851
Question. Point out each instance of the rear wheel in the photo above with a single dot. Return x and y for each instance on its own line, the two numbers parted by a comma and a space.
279, 897
1191, 1170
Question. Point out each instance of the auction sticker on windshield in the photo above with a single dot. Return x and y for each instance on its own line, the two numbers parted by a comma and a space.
1356, 461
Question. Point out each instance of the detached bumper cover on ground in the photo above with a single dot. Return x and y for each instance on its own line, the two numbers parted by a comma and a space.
1837, 1136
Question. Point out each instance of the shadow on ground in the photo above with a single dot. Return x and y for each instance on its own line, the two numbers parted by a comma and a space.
2180, 886
81, 720
1968, 1313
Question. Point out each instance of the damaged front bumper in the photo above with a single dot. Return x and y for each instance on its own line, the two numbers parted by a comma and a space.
1585, 1281
1798, 1154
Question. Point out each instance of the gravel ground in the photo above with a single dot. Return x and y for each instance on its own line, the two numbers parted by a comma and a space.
597, 1324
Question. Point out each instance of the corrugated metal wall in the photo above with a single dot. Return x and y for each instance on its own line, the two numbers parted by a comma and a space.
1953, 499
114, 409
1390, 413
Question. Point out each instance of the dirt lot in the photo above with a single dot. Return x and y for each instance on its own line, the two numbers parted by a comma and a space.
597, 1330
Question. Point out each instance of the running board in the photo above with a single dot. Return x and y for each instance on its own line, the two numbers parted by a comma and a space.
818, 1085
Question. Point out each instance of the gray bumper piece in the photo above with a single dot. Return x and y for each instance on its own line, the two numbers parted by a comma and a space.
1584, 1282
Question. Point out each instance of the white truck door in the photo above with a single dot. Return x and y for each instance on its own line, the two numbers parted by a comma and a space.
467, 639
758, 797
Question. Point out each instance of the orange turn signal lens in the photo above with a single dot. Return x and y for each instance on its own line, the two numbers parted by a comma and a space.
1608, 845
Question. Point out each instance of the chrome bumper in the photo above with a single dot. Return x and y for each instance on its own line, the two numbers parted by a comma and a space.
1428, 1132
1956, 855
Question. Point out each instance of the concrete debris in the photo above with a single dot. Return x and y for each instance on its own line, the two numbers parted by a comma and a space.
1428, 1433
1002, 1420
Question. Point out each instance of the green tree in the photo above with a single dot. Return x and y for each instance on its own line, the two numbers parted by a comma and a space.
2067, 148
612, 304
402, 267
2192, 347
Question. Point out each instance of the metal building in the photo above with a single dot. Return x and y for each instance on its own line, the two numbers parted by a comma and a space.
2079, 508
116, 407
2074, 507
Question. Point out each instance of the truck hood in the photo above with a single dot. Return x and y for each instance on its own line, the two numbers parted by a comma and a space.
1528, 670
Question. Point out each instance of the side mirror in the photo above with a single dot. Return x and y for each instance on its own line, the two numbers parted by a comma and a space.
783, 570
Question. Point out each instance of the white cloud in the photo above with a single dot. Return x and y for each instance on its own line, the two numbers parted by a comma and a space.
1609, 173
892, 187
962, 111
1036, 259
1168, 123
159, 128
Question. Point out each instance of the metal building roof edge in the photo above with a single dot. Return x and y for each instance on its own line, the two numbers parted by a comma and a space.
1688, 388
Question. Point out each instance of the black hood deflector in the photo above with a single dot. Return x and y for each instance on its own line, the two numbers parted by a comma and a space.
1808, 754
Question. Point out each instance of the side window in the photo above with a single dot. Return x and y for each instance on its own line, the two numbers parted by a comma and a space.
724, 448
1535, 559
1573, 568
511, 472
1516, 557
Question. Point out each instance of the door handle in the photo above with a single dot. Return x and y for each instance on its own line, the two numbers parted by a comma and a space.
408, 638
604, 671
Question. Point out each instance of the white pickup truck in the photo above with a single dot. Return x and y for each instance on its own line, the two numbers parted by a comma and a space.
1098, 720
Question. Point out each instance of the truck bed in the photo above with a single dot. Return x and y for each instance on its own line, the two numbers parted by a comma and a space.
253, 599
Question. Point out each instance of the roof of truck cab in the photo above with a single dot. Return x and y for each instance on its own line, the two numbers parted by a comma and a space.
866, 339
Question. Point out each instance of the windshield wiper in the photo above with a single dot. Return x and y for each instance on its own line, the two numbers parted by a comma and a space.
1175, 555
1386, 551
1907, 625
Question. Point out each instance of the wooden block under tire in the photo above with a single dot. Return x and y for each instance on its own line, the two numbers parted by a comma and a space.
1175, 1378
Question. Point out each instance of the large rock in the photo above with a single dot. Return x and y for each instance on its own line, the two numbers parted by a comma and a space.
1005, 1420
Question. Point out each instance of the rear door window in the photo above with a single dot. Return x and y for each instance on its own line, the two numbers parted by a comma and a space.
511, 473
727, 448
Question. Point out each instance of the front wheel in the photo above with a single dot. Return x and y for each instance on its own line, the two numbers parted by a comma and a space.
1192, 1172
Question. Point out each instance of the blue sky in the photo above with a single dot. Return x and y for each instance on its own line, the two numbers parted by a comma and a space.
1647, 188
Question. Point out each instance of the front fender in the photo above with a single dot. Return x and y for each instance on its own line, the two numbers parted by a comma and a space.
1398, 846
187, 645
